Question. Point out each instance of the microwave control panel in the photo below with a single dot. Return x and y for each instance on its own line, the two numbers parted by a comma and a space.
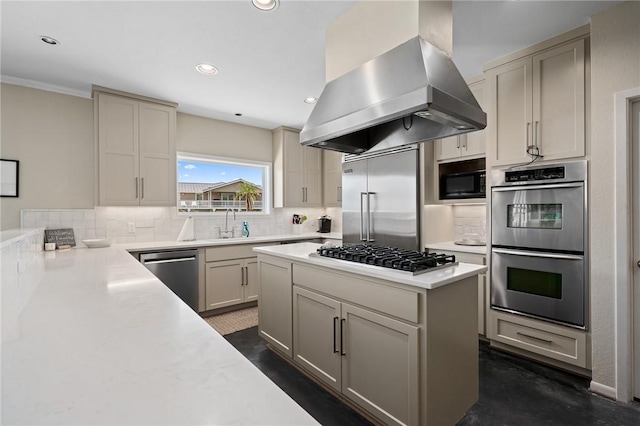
546, 173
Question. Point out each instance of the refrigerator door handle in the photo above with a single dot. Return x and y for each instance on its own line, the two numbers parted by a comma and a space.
369, 221
362, 216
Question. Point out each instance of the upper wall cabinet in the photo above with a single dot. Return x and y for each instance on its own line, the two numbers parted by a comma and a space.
297, 171
136, 151
537, 106
332, 178
468, 145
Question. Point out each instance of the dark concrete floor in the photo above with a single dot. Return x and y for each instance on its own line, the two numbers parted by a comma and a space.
513, 391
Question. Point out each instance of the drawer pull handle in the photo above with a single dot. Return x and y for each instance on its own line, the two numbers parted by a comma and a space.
534, 337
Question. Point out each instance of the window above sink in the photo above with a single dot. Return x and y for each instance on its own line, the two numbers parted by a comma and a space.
210, 185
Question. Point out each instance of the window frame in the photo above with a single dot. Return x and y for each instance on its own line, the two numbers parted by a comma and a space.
266, 166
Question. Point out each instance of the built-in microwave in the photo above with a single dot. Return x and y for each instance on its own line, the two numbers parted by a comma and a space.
462, 185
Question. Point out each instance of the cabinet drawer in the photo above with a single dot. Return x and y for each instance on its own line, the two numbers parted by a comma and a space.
237, 251
545, 339
393, 301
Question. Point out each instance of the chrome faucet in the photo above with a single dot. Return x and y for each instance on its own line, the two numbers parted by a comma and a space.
226, 233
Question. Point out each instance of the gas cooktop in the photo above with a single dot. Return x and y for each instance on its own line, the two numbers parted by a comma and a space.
411, 261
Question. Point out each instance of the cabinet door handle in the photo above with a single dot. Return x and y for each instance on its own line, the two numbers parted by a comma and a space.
534, 337
337, 193
528, 126
136, 188
458, 142
142, 185
335, 327
241, 276
246, 275
342, 352
535, 133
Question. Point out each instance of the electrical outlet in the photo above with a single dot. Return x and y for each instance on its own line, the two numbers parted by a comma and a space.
131, 227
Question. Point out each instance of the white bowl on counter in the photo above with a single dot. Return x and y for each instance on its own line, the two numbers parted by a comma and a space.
97, 242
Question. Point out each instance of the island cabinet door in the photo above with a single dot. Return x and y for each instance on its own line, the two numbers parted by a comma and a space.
316, 335
380, 365
274, 303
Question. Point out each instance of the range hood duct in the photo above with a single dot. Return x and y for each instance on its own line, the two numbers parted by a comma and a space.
412, 93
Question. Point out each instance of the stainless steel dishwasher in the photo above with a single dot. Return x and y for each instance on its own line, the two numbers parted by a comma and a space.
178, 270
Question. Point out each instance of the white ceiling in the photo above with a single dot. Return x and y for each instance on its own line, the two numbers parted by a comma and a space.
268, 61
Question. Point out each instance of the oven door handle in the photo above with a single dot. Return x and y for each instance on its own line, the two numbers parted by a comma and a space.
528, 187
538, 254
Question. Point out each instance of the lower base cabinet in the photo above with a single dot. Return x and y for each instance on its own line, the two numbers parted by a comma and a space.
403, 354
342, 345
230, 282
231, 275
554, 342
275, 307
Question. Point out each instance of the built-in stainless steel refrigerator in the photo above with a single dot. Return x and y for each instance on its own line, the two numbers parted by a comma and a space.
381, 199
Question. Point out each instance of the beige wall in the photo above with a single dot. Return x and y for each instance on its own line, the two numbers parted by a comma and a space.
52, 137
371, 28
615, 66
201, 135
51, 134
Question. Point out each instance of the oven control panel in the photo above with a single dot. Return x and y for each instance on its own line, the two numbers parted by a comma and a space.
545, 173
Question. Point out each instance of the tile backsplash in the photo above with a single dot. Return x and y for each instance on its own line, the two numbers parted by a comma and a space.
145, 224
469, 220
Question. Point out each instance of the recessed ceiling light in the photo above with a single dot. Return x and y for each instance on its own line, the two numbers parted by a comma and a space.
206, 69
50, 40
310, 100
265, 4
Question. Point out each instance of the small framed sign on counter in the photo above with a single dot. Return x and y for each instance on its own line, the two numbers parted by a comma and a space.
61, 237
9, 174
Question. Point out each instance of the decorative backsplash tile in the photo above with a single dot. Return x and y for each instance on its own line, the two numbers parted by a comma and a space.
470, 222
163, 223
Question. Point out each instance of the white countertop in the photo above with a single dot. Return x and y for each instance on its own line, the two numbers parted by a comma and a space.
451, 246
429, 280
102, 341
167, 245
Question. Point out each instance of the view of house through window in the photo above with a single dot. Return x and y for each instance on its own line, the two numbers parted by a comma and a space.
215, 184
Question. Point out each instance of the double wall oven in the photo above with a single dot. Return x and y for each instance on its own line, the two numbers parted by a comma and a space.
538, 242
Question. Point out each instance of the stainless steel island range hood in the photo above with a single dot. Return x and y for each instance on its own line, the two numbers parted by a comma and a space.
412, 93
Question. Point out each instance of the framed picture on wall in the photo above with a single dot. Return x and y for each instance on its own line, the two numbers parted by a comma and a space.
9, 173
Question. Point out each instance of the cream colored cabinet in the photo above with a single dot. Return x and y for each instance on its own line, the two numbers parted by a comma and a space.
230, 282
297, 175
332, 178
537, 106
564, 344
316, 335
405, 355
380, 365
468, 145
136, 151
275, 304
231, 275
483, 284
370, 358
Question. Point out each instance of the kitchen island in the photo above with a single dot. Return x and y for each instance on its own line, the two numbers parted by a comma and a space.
100, 340
402, 348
